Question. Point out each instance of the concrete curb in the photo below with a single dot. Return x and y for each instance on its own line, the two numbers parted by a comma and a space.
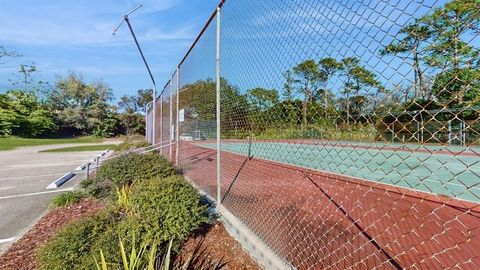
81, 167
60, 181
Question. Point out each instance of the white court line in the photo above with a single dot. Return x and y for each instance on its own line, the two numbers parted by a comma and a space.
6, 240
35, 193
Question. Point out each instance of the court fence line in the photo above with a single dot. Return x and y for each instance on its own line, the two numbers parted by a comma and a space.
334, 134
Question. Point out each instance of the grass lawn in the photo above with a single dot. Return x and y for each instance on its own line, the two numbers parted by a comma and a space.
81, 148
10, 143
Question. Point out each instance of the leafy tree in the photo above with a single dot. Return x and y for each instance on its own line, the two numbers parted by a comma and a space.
144, 96
307, 79
449, 24
81, 108
261, 99
199, 102
358, 78
262, 106
458, 87
413, 36
328, 67
22, 114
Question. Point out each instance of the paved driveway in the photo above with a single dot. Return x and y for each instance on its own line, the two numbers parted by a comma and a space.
24, 175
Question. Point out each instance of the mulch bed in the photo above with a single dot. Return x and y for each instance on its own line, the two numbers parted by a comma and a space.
211, 247
21, 254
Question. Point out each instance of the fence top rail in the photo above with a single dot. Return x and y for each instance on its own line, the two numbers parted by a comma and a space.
214, 13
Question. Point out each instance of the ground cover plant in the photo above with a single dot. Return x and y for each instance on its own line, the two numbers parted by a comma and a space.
81, 148
131, 143
125, 170
67, 199
150, 211
9, 143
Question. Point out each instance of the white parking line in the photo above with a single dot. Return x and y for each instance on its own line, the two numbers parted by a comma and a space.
6, 240
35, 193
30, 176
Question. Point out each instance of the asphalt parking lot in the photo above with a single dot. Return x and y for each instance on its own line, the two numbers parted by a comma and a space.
24, 176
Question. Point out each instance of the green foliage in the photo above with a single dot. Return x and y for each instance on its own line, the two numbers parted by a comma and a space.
81, 148
83, 108
448, 25
131, 143
67, 199
199, 101
126, 169
170, 208
458, 87
7, 122
158, 211
131, 118
142, 257
73, 243
9, 143
23, 114
326, 131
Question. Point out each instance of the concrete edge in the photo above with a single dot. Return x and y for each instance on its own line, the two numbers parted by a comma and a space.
256, 248
60, 181
81, 167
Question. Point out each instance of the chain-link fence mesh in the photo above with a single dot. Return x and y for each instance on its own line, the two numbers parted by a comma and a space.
349, 130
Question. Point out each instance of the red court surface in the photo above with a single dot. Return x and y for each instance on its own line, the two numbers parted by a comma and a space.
319, 220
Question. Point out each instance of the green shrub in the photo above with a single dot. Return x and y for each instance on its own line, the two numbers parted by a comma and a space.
132, 142
67, 199
126, 169
170, 208
108, 241
73, 243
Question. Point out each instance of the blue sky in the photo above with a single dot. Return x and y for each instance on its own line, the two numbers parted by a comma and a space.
260, 39
61, 36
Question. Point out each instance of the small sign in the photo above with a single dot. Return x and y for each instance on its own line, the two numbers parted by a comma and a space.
181, 115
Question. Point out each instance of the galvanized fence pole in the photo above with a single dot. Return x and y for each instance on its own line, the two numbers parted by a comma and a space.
154, 113
161, 121
88, 170
177, 124
171, 127
146, 124
218, 106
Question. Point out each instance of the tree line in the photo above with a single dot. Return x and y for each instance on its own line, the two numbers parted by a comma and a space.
69, 107
344, 92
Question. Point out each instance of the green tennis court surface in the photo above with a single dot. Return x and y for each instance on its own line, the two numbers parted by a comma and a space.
456, 176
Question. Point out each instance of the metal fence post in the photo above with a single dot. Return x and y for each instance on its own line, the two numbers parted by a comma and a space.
161, 122
171, 129
218, 106
146, 124
177, 124
88, 170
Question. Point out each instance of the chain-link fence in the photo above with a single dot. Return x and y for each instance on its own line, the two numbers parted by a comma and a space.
340, 134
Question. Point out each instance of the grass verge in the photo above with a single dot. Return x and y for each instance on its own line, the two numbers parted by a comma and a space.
10, 143
81, 148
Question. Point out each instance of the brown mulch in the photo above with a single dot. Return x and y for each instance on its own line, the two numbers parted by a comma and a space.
21, 254
211, 247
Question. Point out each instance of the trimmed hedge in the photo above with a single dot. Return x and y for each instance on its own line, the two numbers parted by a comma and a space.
171, 207
159, 209
132, 142
126, 169
73, 243
67, 199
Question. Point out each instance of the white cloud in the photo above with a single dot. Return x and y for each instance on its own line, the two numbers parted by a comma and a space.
80, 22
